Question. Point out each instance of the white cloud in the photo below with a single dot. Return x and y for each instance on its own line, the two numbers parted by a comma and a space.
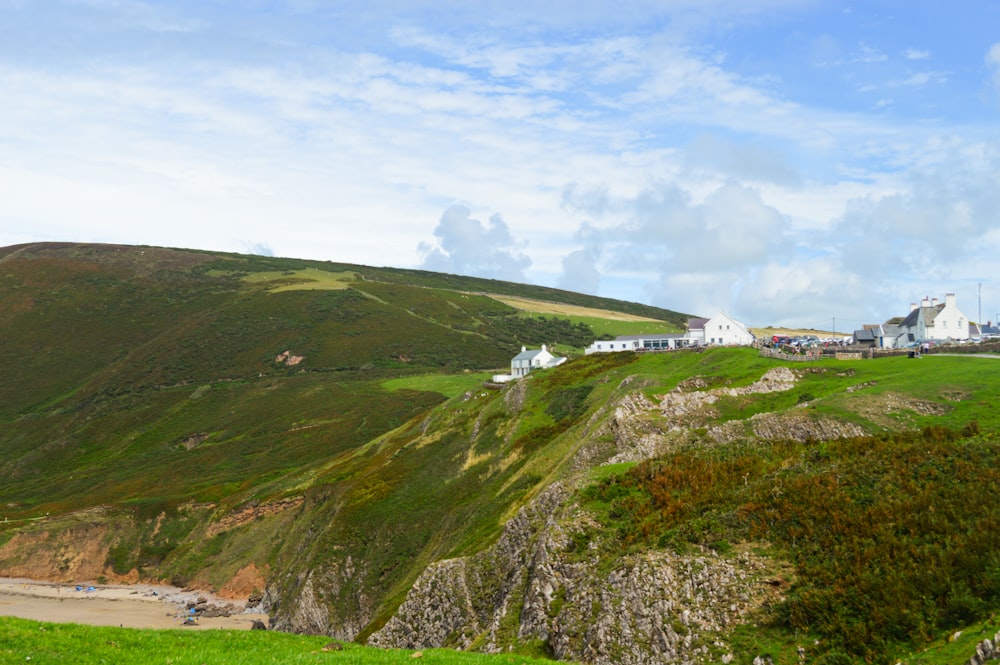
916, 54
580, 272
993, 62
466, 246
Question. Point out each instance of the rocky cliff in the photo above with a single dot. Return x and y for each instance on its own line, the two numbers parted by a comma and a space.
543, 581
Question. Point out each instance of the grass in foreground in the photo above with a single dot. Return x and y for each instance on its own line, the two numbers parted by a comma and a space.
24, 641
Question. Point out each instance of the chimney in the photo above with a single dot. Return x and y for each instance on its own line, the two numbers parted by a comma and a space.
933, 302
949, 299
543, 347
523, 349
913, 306
926, 302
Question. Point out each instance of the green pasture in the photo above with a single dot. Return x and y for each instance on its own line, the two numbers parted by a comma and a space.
307, 279
38, 643
449, 385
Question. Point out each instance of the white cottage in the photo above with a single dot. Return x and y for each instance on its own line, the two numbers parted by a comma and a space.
527, 361
932, 321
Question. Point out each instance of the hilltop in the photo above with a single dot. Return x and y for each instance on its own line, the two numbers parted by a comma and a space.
316, 439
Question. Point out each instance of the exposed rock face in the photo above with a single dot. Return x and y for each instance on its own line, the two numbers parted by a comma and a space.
310, 611
63, 554
244, 584
249, 513
458, 600
533, 586
636, 436
799, 426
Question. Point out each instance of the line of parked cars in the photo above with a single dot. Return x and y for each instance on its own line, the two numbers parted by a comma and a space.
809, 341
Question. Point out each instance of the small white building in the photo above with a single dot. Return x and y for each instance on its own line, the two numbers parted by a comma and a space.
528, 360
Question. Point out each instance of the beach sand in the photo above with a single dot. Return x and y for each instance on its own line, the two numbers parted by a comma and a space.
131, 606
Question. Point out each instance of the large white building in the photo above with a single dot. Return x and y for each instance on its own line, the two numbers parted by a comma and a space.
719, 330
724, 331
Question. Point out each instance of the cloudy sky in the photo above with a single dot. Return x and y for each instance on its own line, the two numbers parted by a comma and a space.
791, 162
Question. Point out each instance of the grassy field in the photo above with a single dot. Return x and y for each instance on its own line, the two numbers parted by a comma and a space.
449, 385
306, 279
38, 643
546, 307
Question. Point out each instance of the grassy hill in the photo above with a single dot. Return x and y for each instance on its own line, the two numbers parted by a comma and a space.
119, 363
322, 430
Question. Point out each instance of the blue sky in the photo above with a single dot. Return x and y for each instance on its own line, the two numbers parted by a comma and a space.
792, 162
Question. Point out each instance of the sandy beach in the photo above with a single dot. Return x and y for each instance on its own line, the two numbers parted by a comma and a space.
132, 606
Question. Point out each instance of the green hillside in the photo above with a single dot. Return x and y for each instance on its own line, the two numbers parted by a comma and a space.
323, 431
120, 362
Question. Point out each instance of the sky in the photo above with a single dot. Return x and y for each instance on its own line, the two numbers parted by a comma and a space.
805, 163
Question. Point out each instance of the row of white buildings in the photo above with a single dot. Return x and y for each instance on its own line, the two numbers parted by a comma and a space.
929, 321
720, 330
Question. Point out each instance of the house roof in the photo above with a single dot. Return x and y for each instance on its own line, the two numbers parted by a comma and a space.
528, 354
697, 323
928, 314
890, 329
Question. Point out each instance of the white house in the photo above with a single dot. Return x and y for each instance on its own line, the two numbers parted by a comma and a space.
527, 361
725, 331
931, 321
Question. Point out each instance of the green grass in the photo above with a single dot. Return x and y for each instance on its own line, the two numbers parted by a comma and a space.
449, 385
38, 643
614, 328
306, 279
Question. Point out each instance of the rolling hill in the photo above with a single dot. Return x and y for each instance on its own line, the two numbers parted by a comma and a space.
318, 436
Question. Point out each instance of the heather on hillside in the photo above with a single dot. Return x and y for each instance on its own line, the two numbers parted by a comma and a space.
894, 539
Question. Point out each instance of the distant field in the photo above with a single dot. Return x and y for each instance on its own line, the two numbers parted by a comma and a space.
307, 279
766, 333
542, 307
615, 328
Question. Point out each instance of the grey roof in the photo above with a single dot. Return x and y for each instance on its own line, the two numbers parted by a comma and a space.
527, 355
864, 335
928, 313
890, 329
697, 323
